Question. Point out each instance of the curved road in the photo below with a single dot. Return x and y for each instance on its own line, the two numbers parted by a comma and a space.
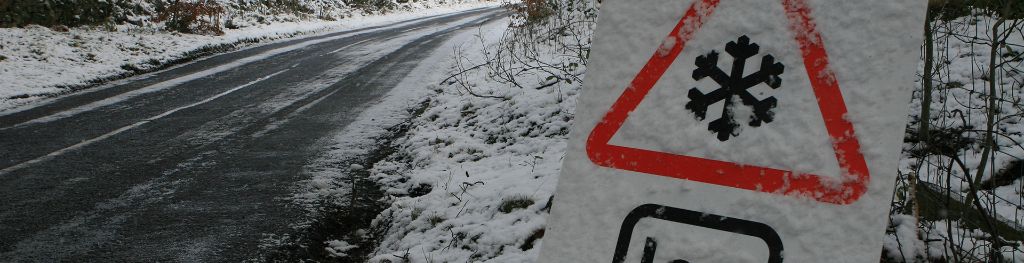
194, 163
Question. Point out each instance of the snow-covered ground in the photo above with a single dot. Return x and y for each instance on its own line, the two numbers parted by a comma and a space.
472, 179
474, 176
38, 62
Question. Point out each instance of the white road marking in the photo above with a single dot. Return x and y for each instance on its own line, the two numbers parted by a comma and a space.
411, 29
88, 142
349, 45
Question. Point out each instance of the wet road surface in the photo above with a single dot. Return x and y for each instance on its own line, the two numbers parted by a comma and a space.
195, 163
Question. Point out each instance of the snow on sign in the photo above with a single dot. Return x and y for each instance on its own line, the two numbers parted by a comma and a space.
737, 131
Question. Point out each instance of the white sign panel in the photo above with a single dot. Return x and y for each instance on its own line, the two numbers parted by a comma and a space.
737, 131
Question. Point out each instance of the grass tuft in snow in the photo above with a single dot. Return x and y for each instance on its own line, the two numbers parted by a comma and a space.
435, 219
532, 239
514, 203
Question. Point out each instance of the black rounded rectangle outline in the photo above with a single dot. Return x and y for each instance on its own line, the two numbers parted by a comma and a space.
701, 219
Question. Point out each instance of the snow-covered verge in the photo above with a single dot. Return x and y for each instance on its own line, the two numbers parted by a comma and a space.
950, 159
37, 62
341, 173
473, 179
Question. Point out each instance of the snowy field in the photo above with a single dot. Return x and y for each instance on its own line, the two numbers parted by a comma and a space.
38, 62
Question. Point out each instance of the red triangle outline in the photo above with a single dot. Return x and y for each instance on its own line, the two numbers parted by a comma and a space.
845, 190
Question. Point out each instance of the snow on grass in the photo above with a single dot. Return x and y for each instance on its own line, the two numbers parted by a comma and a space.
37, 61
337, 248
904, 244
473, 178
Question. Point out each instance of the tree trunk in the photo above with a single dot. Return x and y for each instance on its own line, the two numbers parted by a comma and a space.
990, 114
988, 146
926, 101
926, 81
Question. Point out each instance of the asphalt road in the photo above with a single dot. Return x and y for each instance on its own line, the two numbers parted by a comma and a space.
194, 163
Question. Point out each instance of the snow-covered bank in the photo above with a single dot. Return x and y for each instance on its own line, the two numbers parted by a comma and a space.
37, 62
474, 176
330, 175
472, 180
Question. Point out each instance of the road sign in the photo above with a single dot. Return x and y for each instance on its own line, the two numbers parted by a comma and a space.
755, 131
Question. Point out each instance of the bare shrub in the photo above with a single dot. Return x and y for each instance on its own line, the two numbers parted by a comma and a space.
201, 17
533, 11
546, 44
371, 6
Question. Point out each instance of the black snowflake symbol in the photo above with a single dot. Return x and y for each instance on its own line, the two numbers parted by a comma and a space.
735, 84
